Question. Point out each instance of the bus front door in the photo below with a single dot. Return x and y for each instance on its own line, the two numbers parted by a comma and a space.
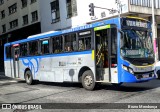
15, 55
105, 48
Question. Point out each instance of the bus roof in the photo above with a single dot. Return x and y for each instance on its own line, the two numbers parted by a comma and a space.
79, 28
132, 17
41, 34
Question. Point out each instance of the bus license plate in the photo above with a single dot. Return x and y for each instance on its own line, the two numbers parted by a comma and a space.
145, 75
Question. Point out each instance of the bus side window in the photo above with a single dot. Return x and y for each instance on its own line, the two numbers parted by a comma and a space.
23, 49
8, 52
57, 44
88, 43
33, 48
45, 46
70, 43
114, 46
81, 45
85, 43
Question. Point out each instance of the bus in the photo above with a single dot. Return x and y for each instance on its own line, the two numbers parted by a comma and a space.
116, 51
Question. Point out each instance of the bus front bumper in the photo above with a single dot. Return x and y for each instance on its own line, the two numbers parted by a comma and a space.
140, 77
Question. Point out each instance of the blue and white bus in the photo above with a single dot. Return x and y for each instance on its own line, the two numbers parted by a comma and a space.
110, 51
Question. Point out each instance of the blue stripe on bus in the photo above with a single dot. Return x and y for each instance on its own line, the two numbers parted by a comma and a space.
56, 55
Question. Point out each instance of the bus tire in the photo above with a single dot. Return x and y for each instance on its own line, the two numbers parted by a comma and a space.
29, 77
88, 80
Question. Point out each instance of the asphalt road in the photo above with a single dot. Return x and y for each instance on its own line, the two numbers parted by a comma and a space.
14, 91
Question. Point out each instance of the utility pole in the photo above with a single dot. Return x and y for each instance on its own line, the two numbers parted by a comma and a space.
153, 31
119, 8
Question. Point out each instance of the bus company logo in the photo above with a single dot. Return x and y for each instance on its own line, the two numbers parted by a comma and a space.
6, 106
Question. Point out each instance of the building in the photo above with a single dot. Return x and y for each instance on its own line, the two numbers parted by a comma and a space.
17, 17
18, 20
22, 18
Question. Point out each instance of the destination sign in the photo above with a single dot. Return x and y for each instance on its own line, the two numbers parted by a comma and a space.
135, 23
84, 33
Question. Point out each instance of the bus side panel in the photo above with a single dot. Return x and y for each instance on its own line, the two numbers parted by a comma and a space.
74, 64
22, 69
46, 71
9, 68
114, 75
31, 63
64, 68
57, 68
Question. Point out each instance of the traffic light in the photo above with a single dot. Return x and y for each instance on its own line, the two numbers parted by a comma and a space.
91, 9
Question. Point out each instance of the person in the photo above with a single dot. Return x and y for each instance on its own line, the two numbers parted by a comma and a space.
81, 45
106, 59
69, 49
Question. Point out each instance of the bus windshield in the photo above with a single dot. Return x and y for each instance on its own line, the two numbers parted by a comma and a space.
136, 44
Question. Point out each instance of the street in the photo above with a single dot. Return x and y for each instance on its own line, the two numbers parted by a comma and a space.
13, 91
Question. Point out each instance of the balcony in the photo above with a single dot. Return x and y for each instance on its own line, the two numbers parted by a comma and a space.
144, 6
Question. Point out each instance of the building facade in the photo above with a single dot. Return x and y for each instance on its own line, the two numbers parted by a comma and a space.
16, 15
18, 20
22, 18
62, 14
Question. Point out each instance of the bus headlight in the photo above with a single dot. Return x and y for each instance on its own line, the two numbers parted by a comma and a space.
125, 68
130, 70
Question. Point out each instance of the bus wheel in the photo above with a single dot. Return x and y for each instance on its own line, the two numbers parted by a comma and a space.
88, 80
28, 77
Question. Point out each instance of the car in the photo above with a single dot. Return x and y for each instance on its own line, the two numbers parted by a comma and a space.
157, 69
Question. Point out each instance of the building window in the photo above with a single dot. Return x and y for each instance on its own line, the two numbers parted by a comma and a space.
34, 16
3, 28
145, 3
33, 1
55, 13
12, 8
13, 24
71, 8
24, 3
2, 14
1, 2
25, 20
